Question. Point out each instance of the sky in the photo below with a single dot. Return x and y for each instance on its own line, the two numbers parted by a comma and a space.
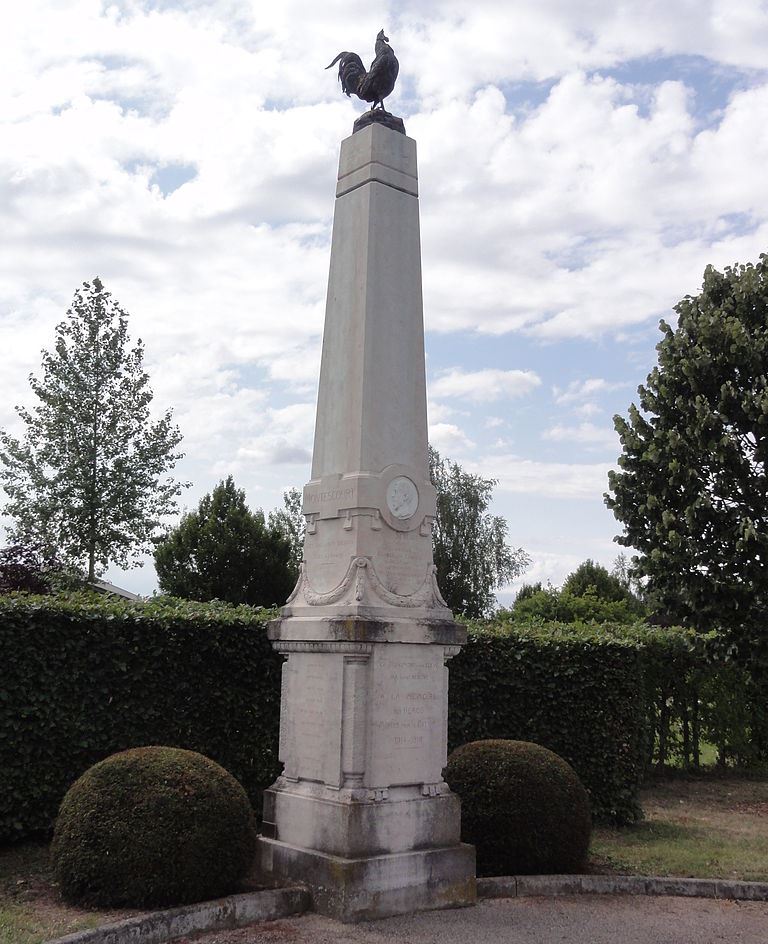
580, 163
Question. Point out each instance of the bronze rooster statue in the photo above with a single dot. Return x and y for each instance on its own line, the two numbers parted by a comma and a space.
375, 84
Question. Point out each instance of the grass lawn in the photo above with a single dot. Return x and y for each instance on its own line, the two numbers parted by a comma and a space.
705, 827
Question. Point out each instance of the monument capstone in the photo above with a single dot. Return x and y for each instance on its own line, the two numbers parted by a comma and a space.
361, 812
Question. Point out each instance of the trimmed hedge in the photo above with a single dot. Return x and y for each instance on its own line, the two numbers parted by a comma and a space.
153, 826
84, 677
576, 690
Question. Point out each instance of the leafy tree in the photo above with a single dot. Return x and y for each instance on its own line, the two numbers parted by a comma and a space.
528, 590
691, 490
591, 576
550, 604
87, 478
470, 545
224, 551
290, 522
621, 570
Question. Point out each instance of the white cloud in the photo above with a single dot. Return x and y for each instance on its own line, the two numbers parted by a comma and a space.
585, 389
483, 386
588, 434
448, 439
552, 567
548, 567
462, 47
587, 409
557, 200
595, 211
553, 479
440, 412
285, 440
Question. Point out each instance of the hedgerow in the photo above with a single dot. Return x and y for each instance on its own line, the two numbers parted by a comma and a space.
576, 690
86, 676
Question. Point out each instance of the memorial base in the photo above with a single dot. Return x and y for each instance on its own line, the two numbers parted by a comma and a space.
338, 822
378, 886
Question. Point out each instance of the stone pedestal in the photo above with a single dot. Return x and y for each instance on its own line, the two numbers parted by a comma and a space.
361, 812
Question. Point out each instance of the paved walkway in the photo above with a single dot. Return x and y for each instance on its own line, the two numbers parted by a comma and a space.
581, 919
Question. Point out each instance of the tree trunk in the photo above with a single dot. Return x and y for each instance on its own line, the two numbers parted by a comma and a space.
94, 475
685, 717
661, 759
695, 726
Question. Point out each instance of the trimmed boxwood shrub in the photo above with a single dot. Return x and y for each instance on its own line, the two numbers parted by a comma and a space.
152, 826
522, 807
86, 676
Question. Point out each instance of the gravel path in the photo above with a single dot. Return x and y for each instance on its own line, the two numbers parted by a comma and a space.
582, 919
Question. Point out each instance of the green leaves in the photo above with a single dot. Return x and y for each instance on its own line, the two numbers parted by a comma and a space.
227, 552
88, 477
575, 689
289, 521
85, 676
691, 491
469, 545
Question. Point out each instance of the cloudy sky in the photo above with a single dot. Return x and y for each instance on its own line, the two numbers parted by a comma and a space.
580, 161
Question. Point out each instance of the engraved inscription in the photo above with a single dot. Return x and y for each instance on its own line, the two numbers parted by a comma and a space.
317, 497
310, 719
311, 722
328, 559
402, 561
407, 715
329, 499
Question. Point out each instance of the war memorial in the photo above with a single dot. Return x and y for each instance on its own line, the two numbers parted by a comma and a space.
361, 812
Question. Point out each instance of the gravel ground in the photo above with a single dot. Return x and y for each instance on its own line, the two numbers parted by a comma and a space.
581, 919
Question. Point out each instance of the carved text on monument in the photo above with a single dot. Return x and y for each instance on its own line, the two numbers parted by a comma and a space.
408, 711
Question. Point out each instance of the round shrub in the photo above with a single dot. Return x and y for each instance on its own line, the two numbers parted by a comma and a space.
153, 826
522, 807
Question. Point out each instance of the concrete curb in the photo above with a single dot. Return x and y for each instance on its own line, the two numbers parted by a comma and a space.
221, 914
515, 886
237, 911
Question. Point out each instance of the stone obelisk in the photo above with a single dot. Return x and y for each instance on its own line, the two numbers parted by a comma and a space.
361, 812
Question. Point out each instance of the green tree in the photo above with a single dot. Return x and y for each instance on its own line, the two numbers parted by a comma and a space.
549, 604
224, 551
590, 576
691, 489
470, 545
528, 590
290, 522
87, 480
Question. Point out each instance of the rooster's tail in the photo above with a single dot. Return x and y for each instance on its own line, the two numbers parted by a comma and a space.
351, 71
